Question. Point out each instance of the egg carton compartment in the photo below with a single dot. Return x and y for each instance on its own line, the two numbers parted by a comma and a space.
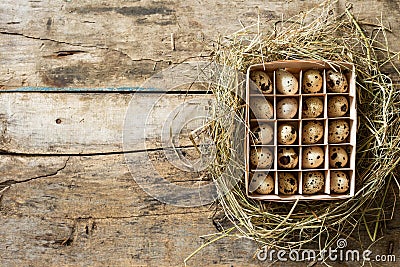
314, 157
288, 132
337, 81
342, 180
340, 106
314, 183
313, 132
288, 183
293, 76
262, 133
262, 81
341, 131
262, 158
313, 81
298, 68
264, 183
340, 156
313, 107
287, 107
262, 107
288, 158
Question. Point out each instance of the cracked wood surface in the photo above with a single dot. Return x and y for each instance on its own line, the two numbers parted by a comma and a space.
36, 123
88, 210
67, 196
114, 44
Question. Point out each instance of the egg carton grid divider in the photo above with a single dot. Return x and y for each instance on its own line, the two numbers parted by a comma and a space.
297, 68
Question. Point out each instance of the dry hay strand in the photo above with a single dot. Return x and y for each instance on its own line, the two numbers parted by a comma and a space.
318, 35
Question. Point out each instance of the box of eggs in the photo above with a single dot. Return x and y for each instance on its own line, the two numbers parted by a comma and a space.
300, 130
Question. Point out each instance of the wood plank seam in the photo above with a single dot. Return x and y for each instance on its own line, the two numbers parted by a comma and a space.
8, 153
109, 90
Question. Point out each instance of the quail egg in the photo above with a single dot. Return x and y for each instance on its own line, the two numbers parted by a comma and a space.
312, 157
287, 134
287, 108
262, 134
313, 131
337, 106
262, 108
336, 82
287, 183
312, 107
338, 157
287, 158
338, 131
312, 82
339, 182
267, 184
286, 82
261, 157
262, 80
313, 182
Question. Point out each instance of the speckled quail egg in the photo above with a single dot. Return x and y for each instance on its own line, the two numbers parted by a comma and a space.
313, 131
267, 183
312, 82
339, 182
338, 131
337, 106
287, 158
312, 157
262, 134
313, 182
336, 82
338, 157
287, 183
262, 80
312, 107
287, 134
286, 82
287, 108
262, 108
261, 157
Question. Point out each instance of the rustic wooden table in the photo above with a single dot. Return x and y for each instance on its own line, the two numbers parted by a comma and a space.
68, 197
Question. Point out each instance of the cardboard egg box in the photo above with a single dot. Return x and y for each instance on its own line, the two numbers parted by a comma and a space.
298, 68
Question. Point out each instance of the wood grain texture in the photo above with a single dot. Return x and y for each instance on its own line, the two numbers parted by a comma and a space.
116, 242
88, 186
89, 211
68, 197
121, 43
35, 123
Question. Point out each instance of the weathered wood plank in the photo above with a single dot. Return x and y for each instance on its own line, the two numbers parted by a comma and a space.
110, 242
118, 242
120, 44
37, 123
20, 168
93, 203
97, 44
89, 186
93, 213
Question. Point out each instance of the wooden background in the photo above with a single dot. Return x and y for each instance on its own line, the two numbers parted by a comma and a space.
68, 197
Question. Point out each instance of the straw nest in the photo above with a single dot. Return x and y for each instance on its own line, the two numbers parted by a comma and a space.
321, 35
